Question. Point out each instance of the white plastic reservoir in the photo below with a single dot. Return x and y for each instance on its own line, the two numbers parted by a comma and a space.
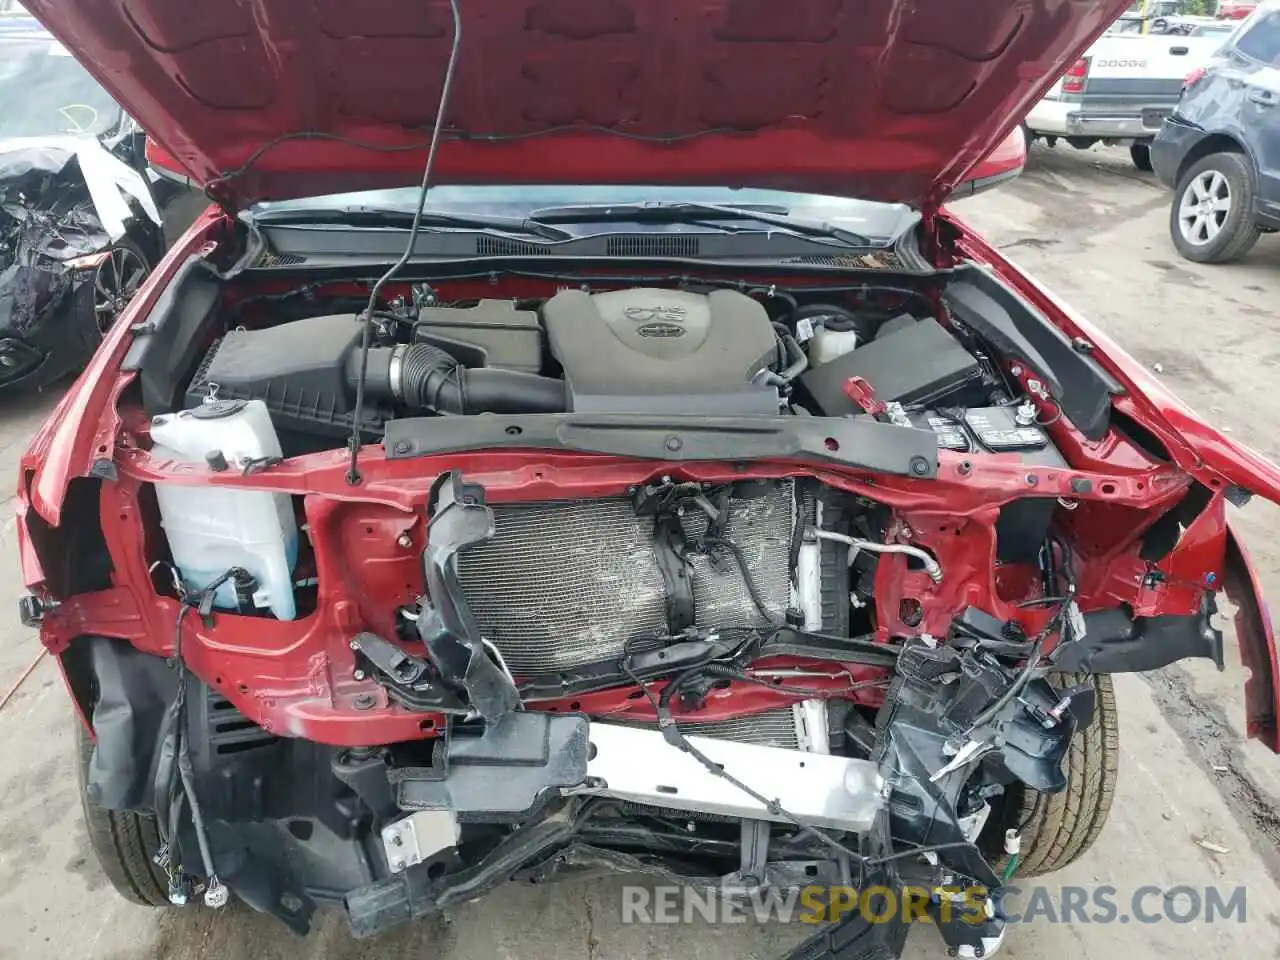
211, 529
826, 345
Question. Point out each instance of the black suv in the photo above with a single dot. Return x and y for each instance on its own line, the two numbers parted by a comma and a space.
1220, 150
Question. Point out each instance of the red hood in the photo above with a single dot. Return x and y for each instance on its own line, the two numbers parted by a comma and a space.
882, 99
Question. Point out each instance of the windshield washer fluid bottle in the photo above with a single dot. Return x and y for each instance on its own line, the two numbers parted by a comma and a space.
211, 529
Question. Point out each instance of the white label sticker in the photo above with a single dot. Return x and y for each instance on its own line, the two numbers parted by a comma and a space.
1076, 620
804, 330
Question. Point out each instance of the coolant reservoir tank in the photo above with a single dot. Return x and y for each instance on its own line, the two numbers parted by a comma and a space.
211, 529
826, 345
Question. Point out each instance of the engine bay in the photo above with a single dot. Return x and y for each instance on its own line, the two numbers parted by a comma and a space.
447, 372
643, 351
611, 537
900, 378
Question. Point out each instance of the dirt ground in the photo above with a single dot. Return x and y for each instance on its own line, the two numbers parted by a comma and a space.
1096, 232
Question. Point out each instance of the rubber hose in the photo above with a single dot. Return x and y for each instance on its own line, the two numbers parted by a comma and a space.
424, 377
837, 318
799, 360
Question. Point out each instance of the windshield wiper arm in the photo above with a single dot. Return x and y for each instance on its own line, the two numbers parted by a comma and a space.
679, 211
375, 217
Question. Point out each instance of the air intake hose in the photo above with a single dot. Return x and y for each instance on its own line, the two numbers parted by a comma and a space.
424, 377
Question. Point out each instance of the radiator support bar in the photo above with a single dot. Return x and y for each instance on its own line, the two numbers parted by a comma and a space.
640, 766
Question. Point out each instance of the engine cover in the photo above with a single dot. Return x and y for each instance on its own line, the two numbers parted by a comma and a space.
662, 351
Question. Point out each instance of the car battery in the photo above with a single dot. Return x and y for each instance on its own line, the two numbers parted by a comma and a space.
950, 433
989, 430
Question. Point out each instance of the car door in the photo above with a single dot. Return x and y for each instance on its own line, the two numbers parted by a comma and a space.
1258, 49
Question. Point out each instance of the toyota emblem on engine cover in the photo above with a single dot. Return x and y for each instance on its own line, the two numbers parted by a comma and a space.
661, 313
662, 331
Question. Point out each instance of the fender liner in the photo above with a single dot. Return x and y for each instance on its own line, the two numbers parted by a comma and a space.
1257, 643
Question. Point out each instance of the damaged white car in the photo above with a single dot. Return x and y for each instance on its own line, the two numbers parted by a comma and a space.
79, 226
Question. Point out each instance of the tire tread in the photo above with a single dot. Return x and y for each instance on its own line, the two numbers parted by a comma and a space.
1243, 230
123, 841
1058, 828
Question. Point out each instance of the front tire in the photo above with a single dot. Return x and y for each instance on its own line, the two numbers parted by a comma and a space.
1057, 828
1211, 217
123, 842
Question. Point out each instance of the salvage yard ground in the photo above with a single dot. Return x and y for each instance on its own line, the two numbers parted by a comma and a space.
1197, 805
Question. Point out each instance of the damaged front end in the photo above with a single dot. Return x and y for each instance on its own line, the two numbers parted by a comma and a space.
906, 802
857, 633
44, 282
871, 760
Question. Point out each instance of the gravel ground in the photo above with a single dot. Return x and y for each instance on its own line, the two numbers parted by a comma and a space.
1095, 231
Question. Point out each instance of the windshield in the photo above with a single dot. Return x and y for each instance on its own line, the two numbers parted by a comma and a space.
879, 222
45, 92
1260, 38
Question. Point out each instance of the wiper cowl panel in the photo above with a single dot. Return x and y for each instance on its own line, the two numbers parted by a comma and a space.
681, 211
395, 218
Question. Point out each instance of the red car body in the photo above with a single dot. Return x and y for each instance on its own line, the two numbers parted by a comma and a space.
280, 100
1235, 9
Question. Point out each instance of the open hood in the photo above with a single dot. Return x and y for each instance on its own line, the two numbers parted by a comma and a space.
891, 100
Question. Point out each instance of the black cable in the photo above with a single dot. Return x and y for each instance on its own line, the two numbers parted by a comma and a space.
1024, 677
353, 471
576, 128
181, 773
169, 829
186, 772
748, 579
811, 692
913, 851
671, 733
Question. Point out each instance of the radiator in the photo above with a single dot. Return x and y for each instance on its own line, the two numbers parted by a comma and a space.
773, 728
570, 582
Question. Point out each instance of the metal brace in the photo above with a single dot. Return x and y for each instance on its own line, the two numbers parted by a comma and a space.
753, 867
419, 837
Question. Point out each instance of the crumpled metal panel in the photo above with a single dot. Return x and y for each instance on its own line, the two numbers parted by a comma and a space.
60, 198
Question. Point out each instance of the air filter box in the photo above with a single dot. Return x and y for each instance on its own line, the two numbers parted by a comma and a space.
493, 333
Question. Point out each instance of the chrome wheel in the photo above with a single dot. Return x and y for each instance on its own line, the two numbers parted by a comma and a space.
116, 281
1204, 207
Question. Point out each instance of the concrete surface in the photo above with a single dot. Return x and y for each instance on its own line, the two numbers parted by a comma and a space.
1096, 231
